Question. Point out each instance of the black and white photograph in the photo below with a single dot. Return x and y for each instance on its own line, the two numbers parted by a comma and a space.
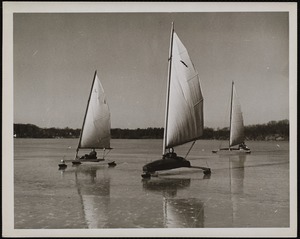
149, 119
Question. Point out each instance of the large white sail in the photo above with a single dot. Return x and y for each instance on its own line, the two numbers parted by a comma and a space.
96, 127
185, 110
236, 124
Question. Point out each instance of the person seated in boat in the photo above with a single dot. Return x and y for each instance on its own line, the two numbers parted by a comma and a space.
93, 154
170, 154
243, 146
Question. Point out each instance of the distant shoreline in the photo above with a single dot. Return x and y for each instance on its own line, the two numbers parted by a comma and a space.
272, 131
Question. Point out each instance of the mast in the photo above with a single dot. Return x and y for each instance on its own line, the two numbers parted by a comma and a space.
168, 88
230, 113
85, 114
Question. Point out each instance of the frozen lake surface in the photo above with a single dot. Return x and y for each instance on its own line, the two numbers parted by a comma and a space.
249, 191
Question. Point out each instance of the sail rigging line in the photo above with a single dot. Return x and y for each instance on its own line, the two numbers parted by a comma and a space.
86, 110
104, 155
190, 149
168, 88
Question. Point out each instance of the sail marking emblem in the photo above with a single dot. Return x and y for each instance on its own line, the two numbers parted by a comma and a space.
183, 63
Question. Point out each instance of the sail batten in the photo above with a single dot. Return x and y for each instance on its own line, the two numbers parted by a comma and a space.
95, 132
192, 77
185, 111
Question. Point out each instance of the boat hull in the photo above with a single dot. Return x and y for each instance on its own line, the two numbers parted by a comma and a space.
79, 161
112, 164
62, 166
166, 164
231, 151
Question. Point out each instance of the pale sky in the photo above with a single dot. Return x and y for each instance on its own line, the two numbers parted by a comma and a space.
56, 54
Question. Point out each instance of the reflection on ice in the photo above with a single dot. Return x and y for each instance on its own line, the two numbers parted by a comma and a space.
168, 186
237, 174
181, 212
237, 171
93, 187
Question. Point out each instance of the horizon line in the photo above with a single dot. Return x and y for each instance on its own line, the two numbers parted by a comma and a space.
148, 126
